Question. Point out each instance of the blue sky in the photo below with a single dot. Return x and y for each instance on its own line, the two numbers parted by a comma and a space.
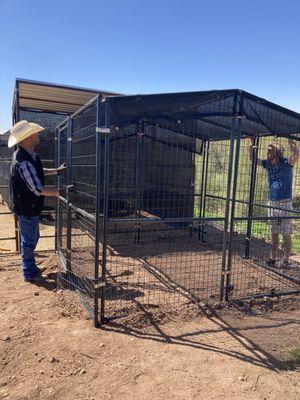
153, 46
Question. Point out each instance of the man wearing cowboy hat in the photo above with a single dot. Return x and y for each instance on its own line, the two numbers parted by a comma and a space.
280, 179
27, 187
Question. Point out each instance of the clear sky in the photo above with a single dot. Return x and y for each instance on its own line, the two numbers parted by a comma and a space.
137, 46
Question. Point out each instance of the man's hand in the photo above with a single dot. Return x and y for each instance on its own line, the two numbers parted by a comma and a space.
54, 171
61, 168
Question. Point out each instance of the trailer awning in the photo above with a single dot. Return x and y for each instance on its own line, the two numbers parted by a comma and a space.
48, 97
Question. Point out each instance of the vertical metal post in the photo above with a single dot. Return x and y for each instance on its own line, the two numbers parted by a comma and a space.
17, 119
17, 110
202, 194
251, 197
68, 194
105, 207
57, 210
205, 188
97, 211
233, 202
227, 211
17, 233
138, 178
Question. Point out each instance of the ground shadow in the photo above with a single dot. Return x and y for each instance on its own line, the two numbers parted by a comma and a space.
245, 348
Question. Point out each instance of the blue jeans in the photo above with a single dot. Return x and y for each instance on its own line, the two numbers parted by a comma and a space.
29, 229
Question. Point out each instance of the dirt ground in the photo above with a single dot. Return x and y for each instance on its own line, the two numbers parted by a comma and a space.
49, 349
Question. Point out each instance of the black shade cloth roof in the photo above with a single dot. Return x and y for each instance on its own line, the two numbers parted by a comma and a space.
52, 98
206, 114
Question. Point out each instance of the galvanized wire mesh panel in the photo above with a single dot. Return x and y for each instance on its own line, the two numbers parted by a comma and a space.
253, 276
61, 211
77, 205
156, 252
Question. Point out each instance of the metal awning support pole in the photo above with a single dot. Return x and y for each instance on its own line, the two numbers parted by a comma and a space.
232, 214
16, 118
105, 207
227, 210
97, 212
17, 104
251, 197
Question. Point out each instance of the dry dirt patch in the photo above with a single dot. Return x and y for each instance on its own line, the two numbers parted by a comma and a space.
49, 349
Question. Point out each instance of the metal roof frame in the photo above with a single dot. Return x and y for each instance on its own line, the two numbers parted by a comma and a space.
215, 108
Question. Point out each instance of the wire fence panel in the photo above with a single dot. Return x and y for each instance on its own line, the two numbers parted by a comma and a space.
254, 276
173, 208
256, 221
156, 251
77, 146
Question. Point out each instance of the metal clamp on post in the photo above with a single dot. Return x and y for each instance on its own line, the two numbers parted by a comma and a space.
102, 130
100, 284
69, 188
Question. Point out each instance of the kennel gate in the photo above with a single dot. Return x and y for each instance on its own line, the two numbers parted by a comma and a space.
79, 222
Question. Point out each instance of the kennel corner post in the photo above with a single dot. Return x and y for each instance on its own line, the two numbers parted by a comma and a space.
228, 287
68, 194
227, 209
97, 210
107, 135
251, 195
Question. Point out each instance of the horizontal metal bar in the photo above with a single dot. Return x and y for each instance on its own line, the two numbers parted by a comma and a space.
268, 294
265, 218
255, 204
44, 212
83, 213
17, 253
89, 103
62, 199
279, 273
64, 122
162, 220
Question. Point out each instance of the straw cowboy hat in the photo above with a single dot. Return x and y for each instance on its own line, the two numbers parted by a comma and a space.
21, 131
